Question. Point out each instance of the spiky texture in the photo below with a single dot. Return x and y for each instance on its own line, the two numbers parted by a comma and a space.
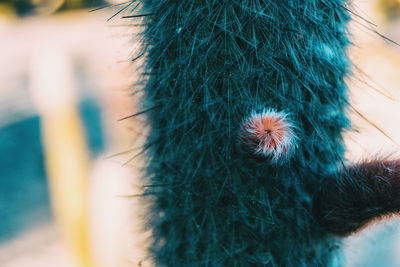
211, 63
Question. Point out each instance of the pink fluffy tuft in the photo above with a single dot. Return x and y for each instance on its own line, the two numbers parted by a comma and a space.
268, 134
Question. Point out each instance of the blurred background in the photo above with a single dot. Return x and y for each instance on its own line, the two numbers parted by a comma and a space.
68, 169
65, 169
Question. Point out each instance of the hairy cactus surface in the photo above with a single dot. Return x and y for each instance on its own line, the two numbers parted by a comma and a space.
246, 103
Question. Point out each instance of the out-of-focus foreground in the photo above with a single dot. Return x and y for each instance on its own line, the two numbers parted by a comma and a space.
67, 164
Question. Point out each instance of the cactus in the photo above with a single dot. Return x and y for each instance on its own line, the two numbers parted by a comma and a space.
246, 104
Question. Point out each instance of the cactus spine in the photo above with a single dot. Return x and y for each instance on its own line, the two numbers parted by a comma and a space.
212, 64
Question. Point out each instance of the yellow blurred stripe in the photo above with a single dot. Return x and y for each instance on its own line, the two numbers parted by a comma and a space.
66, 154
68, 166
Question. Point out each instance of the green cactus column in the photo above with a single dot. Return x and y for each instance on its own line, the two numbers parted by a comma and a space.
245, 99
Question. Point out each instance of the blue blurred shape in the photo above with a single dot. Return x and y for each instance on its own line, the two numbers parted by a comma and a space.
24, 194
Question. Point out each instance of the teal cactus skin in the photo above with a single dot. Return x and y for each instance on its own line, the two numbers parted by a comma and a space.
210, 65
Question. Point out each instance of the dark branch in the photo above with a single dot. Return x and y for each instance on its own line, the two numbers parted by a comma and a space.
354, 197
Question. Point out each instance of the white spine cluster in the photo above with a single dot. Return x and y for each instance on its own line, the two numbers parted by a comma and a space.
268, 134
